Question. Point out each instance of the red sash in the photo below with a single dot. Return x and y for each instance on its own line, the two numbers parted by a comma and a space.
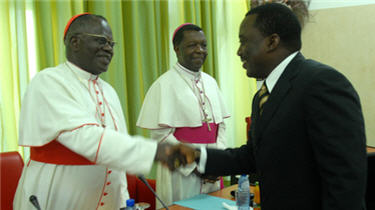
56, 153
197, 135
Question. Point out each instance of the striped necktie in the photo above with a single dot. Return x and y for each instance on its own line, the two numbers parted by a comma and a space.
263, 97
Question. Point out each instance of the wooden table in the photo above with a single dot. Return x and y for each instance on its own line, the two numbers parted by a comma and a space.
370, 149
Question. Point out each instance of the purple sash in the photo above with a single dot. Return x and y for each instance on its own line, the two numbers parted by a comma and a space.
197, 135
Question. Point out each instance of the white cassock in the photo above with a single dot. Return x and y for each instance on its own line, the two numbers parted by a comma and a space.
177, 102
79, 146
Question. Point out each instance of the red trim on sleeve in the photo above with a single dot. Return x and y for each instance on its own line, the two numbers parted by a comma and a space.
97, 151
56, 153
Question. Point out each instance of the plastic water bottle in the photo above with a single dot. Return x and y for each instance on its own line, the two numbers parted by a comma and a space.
130, 204
243, 193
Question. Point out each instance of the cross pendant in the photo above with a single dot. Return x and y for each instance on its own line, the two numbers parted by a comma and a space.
206, 120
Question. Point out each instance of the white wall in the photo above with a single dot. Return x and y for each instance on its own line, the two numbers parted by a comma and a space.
325, 4
343, 38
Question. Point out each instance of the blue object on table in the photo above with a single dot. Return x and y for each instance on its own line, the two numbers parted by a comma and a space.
130, 204
205, 202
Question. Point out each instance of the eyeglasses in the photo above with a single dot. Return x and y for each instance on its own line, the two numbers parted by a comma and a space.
102, 40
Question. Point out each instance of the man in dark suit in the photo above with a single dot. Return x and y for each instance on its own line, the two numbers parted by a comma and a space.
307, 138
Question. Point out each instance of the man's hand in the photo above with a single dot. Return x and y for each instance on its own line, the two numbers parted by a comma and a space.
173, 156
164, 154
191, 154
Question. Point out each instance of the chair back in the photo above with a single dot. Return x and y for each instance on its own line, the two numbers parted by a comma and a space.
370, 191
140, 192
145, 195
11, 165
132, 185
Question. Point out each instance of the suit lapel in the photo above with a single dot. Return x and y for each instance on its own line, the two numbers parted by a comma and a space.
279, 92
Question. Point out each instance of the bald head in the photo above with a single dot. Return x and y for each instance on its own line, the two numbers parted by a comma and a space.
89, 43
81, 25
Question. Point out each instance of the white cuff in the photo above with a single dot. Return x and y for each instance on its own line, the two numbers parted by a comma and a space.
202, 160
188, 169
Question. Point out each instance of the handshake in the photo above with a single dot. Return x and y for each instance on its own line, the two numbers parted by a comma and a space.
173, 156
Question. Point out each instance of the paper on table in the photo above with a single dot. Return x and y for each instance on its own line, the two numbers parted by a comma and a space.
226, 206
205, 202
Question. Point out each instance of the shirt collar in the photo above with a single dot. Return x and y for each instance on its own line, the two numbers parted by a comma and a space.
81, 73
188, 73
275, 74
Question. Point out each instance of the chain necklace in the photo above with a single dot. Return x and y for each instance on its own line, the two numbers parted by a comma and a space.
200, 98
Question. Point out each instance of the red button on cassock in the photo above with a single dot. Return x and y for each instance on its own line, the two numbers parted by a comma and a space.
108, 183
110, 171
105, 194
102, 204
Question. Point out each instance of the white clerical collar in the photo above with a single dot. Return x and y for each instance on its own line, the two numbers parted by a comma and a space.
80, 72
275, 74
188, 73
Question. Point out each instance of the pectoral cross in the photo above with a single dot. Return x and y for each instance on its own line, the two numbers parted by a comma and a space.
206, 120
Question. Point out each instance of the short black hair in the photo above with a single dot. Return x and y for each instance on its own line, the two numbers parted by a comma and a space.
179, 36
275, 18
81, 23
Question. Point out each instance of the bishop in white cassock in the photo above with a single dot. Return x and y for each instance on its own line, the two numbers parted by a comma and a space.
73, 123
185, 105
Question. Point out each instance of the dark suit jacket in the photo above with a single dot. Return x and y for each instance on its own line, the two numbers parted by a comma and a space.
308, 147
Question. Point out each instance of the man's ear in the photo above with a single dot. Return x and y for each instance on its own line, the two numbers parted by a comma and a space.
75, 43
273, 42
176, 49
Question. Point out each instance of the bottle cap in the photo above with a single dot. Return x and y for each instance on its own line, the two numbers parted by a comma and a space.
130, 202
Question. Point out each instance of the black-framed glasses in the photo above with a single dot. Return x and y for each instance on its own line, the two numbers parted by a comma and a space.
102, 40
